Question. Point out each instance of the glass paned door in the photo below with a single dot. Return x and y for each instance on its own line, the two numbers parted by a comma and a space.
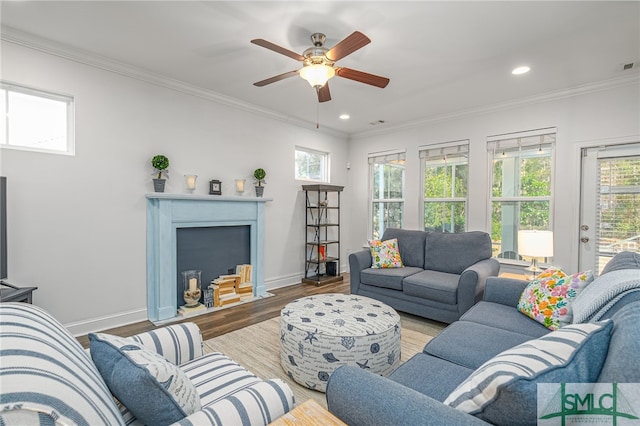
610, 204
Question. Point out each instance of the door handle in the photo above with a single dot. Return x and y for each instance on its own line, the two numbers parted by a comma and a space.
584, 239
585, 227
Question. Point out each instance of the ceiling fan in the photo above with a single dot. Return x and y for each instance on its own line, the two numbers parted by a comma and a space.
319, 63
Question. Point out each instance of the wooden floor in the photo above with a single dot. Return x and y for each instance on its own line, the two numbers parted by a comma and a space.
220, 322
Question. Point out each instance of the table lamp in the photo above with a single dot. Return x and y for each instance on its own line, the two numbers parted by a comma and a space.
535, 244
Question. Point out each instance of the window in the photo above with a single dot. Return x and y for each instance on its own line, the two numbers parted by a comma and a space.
521, 187
312, 165
35, 120
445, 175
610, 203
386, 173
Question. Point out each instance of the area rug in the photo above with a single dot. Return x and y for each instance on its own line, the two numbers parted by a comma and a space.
257, 349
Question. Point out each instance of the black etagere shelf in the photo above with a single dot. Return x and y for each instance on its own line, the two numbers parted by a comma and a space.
322, 244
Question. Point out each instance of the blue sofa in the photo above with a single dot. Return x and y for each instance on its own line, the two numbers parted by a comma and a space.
415, 392
444, 274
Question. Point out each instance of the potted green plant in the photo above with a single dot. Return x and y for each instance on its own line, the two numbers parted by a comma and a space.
259, 175
161, 164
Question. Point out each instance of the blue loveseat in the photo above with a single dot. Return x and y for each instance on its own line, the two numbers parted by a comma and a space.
415, 392
443, 276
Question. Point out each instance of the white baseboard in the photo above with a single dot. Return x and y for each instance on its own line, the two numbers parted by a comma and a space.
93, 325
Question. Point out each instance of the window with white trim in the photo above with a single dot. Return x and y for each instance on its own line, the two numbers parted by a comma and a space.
35, 120
311, 165
386, 180
445, 176
521, 187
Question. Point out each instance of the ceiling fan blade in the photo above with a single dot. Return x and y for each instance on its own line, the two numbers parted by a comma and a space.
286, 52
276, 78
347, 46
323, 93
362, 77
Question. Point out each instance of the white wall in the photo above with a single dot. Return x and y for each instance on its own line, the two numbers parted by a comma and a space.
77, 224
603, 114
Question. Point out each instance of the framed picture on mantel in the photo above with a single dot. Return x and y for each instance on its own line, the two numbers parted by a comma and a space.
215, 187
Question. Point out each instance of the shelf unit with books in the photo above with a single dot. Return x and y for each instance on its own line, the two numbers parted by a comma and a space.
322, 224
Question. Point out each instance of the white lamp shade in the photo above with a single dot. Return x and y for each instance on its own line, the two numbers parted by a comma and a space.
535, 243
317, 75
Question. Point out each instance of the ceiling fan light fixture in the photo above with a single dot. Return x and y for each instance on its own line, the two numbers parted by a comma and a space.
317, 74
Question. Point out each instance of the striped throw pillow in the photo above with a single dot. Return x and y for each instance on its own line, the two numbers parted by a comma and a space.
505, 387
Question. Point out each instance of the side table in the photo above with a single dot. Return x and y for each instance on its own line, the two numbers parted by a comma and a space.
308, 413
11, 293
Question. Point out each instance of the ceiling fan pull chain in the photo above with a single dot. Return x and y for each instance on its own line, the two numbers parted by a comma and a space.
318, 112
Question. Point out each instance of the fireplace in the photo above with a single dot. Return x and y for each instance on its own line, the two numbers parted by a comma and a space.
177, 226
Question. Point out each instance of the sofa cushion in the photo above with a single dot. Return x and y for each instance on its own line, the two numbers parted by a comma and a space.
156, 391
434, 285
548, 298
216, 376
388, 277
411, 244
385, 254
470, 344
505, 387
431, 376
453, 253
504, 317
621, 365
623, 260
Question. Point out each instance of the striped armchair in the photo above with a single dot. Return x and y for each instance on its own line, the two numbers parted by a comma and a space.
46, 377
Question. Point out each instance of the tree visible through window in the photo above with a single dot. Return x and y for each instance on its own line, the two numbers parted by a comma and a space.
35, 120
521, 189
311, 165
387, 192
445, 178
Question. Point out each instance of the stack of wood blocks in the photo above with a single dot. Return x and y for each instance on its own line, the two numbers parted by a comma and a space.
224, 290
232, 288
245, 286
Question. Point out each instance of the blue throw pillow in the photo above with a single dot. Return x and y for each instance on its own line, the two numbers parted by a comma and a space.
156, 391
505, 387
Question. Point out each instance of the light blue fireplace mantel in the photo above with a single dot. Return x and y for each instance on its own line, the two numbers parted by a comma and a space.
168, 212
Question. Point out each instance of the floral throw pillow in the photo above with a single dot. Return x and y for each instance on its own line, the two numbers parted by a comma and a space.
385, 254
547, 298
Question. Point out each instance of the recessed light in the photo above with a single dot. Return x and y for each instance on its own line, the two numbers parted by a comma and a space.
344, 117
520, 70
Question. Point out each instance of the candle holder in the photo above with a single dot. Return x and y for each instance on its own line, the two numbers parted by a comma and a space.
240, 186
191, 182
191, 281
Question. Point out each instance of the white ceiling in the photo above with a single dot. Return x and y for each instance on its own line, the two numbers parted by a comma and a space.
441, 57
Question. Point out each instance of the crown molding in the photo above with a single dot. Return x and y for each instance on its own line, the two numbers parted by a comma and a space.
31, 41
486, 109
34, 42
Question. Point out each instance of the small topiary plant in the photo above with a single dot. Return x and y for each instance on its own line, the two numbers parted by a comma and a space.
161, 164
259, 174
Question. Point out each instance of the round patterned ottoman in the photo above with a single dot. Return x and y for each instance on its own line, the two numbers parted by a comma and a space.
320, 333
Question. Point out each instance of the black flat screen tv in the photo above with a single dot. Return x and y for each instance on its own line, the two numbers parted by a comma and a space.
3, 227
